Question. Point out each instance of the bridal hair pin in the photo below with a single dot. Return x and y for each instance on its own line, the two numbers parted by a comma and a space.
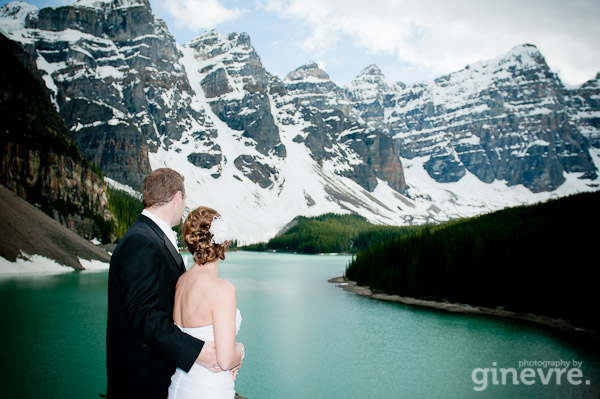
220, 231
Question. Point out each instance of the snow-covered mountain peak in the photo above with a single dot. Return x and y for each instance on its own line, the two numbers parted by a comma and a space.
371, 69
211, 40
494, 118
311, 85
370, 74
371, 84
309, 71
235, 49
593, 84
370, 93
16, 9
519, 59
369, 77
523, 66
230, 64
523, 55
526, 54
14, 14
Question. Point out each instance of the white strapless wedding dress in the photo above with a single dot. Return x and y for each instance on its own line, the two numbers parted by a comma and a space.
199, 382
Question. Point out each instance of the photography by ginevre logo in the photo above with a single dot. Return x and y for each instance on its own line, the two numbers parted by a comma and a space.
530, 372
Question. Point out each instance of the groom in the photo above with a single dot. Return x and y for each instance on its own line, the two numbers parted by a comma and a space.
143, 345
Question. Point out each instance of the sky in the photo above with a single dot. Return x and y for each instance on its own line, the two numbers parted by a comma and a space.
411, 41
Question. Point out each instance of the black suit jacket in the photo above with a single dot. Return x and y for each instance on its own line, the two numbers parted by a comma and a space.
143, 346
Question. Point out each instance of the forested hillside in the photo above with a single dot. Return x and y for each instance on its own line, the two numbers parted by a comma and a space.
540, 259
125, 208
331, 233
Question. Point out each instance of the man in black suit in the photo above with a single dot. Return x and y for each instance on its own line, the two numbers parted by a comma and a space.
143, 345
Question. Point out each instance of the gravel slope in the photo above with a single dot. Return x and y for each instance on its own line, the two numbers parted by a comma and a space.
24, 229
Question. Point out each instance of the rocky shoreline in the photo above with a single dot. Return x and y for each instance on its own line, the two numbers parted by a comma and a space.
562, 325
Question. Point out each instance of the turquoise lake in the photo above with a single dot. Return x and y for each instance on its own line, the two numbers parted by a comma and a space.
304, 337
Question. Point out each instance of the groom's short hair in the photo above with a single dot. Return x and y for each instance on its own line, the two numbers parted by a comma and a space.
160, 186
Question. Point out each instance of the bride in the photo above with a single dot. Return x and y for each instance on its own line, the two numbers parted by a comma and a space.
205, 307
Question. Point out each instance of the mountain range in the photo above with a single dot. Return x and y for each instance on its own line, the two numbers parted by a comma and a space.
262, 150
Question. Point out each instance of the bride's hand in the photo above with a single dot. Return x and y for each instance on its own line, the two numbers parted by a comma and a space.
208, 357
235, 370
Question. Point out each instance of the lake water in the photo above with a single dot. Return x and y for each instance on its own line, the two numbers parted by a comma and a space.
304, 337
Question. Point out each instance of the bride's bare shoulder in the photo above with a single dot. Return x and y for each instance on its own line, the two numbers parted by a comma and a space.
224, 289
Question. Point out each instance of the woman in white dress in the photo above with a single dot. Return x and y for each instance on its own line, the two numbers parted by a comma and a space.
205, 307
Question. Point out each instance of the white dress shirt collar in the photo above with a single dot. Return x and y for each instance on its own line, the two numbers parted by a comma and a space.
164, 226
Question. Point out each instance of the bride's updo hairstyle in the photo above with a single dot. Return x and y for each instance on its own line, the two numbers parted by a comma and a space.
198, 238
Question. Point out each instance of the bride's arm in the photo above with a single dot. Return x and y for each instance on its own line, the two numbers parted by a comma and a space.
223, 315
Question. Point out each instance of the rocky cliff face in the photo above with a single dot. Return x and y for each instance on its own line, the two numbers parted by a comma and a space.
584, 110
250, 100
38, 159
334, 131
115, 78
372, 94
237, 86
508, 119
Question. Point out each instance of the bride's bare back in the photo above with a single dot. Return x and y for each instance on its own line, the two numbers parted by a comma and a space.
194, 297
202, 299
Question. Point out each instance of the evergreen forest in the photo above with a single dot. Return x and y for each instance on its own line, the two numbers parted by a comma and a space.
126, 209
540, 259
330, 233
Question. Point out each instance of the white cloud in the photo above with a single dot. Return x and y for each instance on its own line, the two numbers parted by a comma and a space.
200, 14
442, 36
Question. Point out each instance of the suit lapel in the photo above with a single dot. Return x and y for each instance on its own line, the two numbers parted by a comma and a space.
174, 253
